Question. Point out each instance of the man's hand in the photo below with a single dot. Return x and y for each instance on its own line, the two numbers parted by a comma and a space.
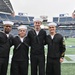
61, 60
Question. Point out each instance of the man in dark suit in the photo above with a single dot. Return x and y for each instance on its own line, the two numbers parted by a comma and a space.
5, 47
37, 38
19, 64
7, 25
56, 51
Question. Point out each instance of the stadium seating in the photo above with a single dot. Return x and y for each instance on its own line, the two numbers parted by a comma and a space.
66, 25
28, 20
17, 19
3, 17
69, 33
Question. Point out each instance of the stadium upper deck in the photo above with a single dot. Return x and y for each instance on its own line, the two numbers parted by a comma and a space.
16, 19
7, 9
64, 20
5, 6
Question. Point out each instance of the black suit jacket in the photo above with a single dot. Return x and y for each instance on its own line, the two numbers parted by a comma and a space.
56, 46
37, 41
4, 45
20, 52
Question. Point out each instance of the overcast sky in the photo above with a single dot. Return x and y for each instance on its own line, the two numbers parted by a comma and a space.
49, 8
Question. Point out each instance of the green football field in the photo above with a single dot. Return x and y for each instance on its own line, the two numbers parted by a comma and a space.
66, 68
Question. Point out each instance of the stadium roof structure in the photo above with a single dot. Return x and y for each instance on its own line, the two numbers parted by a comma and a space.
5, 6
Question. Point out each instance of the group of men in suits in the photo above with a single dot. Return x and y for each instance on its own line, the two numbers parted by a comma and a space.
35, 39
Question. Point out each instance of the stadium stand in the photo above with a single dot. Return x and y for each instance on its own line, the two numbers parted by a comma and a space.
5, 6
66, 26
18, 20
6, 10
64, 20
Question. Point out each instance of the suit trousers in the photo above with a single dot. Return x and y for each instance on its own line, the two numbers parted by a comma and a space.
3, 66
37, 64
19, 68
53, 66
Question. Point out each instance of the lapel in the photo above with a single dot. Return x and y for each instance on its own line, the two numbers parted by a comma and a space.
10, 36
24, 39
49, 36
34, 32
18, 38
40, 32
